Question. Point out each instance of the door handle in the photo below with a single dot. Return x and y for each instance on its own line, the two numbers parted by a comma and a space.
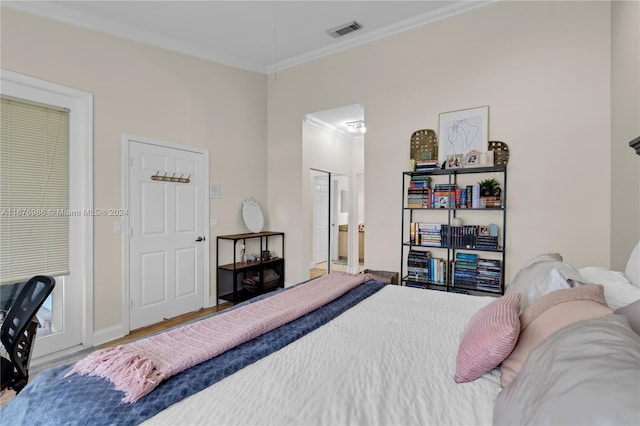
200, 239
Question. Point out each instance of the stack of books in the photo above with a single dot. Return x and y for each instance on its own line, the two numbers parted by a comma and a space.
426, 234
486, 242
444, 195
426, 165
419, 192
490, 201
489, 274
418, 266
465, 269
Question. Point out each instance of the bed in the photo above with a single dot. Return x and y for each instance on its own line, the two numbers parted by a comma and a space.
382, 354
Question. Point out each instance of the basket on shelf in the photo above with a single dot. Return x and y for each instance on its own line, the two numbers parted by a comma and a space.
271, 279
500, 153
250, 285
424, 145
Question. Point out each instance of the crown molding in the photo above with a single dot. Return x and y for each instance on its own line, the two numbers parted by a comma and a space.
58, 12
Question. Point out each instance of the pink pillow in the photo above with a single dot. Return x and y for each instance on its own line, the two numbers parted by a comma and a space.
549, 314
488, 338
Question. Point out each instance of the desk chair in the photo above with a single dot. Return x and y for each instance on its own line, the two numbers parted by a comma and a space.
19, 329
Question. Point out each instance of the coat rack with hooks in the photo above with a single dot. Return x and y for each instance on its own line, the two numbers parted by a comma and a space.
172, 178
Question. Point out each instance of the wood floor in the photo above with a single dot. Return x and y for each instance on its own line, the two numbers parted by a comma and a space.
167, 324
7, 395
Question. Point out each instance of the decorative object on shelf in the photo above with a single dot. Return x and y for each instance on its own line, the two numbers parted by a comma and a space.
472, 159
172, 178
252, 215
463, 131
489, 187
424, 145
500, 152
454, 161
635, 144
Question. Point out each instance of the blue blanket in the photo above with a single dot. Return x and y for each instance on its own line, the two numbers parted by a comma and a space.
52, 399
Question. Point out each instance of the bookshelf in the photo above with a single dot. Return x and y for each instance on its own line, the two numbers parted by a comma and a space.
453, 235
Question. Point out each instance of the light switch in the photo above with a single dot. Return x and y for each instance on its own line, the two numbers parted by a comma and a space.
215, 190
117, 228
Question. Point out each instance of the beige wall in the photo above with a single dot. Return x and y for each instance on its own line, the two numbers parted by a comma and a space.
153, 93
542, 67
625, 126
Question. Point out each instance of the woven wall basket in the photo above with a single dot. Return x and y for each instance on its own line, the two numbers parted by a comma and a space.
424, 145
500, 152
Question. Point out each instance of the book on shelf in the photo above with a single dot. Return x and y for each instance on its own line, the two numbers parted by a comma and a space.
475, 196
448, 187
490, 201
426, 165
419, 197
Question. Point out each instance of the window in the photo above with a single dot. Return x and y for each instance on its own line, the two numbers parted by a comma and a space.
34, 190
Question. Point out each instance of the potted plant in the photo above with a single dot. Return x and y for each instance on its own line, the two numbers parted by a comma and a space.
489, 187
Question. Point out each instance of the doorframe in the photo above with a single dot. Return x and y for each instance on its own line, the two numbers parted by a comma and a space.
332, 214
81, 161
126, 228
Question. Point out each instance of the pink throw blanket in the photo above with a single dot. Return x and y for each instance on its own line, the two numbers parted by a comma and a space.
138, 367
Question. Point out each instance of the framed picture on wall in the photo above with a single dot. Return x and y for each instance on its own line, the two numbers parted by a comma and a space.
463, 131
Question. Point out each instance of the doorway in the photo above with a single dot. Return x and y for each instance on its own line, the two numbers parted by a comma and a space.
331, 206
167, 249
331, 150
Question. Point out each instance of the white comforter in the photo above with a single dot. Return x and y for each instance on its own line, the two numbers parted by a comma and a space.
390, 360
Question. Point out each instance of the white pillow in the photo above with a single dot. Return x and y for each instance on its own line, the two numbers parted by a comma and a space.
632, 271
618, 291
542, 275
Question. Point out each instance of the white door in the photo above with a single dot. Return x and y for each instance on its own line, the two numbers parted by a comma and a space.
167, 267
335, 194
321, 218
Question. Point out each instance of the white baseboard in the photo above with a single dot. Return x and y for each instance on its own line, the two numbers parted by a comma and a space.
108, 334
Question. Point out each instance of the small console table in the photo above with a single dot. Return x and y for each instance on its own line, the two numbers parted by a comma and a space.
241, 280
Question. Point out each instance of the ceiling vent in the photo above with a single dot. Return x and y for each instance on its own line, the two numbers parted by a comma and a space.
344, 29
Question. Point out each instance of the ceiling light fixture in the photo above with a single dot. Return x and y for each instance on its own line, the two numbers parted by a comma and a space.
356, 127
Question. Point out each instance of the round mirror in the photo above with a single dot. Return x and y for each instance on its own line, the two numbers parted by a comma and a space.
252, 215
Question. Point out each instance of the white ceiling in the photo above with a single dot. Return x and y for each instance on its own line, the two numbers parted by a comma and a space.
262, 36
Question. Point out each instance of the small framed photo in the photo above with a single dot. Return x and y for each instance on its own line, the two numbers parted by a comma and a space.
471, 159
454, 161
483, 231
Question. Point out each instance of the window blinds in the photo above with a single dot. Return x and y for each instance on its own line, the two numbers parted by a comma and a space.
34, 190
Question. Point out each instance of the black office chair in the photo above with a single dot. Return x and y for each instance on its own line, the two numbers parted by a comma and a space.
19, 330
